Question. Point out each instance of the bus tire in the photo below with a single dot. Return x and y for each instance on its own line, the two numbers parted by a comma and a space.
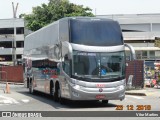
52, 89
28, 82
56, 98
31, 90
105, 101
61, 100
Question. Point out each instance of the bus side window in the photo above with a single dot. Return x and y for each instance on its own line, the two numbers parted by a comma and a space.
66, 65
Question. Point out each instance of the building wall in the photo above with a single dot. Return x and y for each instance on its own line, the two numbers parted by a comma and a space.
10, 23
145, 44
143, 28
7, 39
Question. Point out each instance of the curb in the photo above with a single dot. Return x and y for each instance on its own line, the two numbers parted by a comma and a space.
137, 94
12, 83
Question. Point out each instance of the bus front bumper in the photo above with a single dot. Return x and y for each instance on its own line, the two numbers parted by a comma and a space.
80, 93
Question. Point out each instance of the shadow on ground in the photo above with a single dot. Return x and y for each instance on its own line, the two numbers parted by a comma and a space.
68, 103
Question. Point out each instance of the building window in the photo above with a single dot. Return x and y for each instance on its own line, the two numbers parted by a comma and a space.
6, 30
20, 44
19, 56
5, 58
20, 30
139, 54
144, 54
6, 44
152, 54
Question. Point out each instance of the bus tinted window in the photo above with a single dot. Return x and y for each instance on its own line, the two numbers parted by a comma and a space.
95, 32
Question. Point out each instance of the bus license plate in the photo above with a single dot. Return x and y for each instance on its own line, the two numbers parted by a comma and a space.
100, 96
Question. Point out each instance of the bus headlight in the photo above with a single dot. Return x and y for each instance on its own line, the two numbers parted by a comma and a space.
76, 86
121, 87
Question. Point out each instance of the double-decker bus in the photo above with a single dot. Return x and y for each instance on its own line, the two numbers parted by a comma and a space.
77, 58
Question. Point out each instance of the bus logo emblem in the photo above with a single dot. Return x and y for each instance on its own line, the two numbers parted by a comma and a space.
100, 90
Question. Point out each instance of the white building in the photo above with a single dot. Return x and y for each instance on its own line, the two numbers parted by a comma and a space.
7, 37
140, 30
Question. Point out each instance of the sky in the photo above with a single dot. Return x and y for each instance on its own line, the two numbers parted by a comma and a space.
99, 7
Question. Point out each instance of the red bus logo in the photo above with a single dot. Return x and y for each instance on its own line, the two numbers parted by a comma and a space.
100, 85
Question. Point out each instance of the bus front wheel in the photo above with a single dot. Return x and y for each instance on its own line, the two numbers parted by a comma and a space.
61, 100
105, 101
57, 94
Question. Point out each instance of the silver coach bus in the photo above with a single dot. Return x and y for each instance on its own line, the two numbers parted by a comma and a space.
77, 58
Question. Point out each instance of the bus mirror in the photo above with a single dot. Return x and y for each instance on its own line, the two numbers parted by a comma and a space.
133, 54
58, 65
69, 51
70, 56
66, 57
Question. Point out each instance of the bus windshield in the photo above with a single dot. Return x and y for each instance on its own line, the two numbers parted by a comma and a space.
98, 66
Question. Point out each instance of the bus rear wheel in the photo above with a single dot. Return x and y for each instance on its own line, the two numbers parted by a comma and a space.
51, 89
56, 92
31, 90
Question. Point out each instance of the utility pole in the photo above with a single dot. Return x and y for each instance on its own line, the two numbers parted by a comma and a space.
14, 38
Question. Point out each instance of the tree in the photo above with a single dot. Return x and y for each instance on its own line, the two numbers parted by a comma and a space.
54, 10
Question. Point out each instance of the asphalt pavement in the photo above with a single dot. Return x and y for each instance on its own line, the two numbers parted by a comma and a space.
19, 100
11, 87
137, 92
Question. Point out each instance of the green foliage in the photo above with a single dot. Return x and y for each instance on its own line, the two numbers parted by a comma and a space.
54, 10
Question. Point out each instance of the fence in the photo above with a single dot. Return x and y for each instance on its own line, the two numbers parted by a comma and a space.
135, 68
3, 76
11, 74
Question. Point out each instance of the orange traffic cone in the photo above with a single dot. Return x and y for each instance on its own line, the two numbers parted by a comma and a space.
7, 88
